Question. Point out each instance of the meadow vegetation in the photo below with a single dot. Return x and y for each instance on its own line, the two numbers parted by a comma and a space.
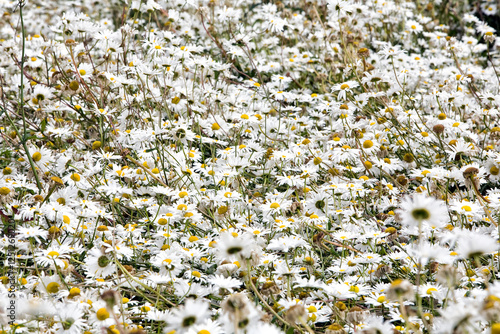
207, 167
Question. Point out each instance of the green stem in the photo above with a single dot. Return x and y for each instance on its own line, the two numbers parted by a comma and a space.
21, 103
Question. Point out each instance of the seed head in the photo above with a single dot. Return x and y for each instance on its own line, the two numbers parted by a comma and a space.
438, 129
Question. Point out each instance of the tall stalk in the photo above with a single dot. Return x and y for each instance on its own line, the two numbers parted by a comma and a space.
21, 103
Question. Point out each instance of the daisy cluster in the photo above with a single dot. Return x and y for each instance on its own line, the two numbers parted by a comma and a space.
210, 166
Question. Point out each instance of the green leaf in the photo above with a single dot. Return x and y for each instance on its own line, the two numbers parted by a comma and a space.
44, 124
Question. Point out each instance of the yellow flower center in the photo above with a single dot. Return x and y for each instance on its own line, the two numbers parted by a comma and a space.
74, 292
4, 191
312, 308
367, 144
37, 156
53, 254
102, 314
466, 208
53, 287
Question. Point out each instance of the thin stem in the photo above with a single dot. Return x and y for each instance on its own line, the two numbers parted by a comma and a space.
21, 104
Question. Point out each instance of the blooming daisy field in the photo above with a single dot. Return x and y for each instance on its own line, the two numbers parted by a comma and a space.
250, 166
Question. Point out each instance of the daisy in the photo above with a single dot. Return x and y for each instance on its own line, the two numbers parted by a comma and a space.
432, 291
472, 244
99, 264
101, 315
286, 243
85, 70
71, 320
319, 204
227, 283
493, 169
51, 285
53, 256
42, 157
192, 313
31, 232
275, 205
42, 93
413, 26
376, 324
460, 147
66, 196
227, 268
186, 289
344, 88
207, 327
421, 208
314, 219
377, 299
230, 246
471, 210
